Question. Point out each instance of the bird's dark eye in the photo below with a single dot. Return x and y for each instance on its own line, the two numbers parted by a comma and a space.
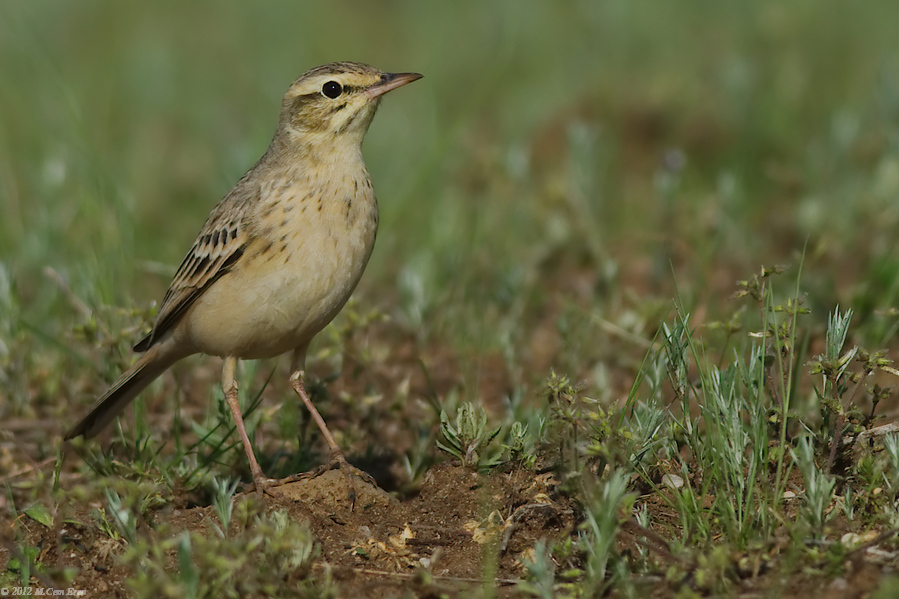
332, 89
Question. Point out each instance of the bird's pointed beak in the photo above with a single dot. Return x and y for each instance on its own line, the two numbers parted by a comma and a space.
391, 81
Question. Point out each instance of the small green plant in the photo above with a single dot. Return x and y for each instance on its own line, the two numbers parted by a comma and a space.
105, 526
124, 518
606, 510
20, 566
843, 388
569, 417
819, 487
223, 501
885, 473
518, 443
541, 580
271, 557
891, 445
468, 439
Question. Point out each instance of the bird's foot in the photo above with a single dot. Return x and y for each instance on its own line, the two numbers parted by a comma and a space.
263, 485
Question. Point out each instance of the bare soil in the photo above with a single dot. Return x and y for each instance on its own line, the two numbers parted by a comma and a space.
442, 538
442, 542
378, 547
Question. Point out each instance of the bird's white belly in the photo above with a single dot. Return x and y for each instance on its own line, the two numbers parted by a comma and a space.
278, 299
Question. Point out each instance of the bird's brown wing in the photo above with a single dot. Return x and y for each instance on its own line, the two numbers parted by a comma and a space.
217, 248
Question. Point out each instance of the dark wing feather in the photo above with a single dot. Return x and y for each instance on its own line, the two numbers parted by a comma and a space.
220, 244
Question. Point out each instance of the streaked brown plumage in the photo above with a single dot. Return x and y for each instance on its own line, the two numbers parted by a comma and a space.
281, 253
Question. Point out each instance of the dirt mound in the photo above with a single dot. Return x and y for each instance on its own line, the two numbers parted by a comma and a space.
461, 525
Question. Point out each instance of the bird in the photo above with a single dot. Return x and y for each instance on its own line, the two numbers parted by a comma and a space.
278, 257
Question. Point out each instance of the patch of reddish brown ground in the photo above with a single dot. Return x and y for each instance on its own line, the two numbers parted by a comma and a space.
459, 519
447, 516
442, 541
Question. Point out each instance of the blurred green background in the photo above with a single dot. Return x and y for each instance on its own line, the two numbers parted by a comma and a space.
562, 164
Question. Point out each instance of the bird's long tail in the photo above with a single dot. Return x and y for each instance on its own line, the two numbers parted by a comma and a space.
145, 371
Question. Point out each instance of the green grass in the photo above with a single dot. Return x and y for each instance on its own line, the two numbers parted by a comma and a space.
569, 199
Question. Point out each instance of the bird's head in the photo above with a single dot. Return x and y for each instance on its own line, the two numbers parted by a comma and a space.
337, 100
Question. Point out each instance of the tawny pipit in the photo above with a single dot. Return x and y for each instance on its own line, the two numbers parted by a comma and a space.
280, 255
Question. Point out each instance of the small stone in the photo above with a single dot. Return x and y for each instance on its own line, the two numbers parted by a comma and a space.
839, 584
673, 480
